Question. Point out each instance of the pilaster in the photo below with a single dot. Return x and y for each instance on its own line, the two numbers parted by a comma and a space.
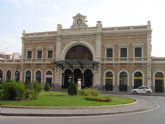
149, 54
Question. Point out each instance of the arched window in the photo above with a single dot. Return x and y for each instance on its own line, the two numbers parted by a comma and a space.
123, 81
17, 76
79, 52
38, 76
8, 75
28, 77
159, 82
1, 75
109, 81
49, 77
138, 79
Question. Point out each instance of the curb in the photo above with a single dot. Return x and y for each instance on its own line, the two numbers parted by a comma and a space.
74, 115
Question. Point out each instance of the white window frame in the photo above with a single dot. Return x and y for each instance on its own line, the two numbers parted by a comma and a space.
120, 58
112, 54
136, 58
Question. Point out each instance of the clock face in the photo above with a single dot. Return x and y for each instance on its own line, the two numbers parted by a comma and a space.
79, 22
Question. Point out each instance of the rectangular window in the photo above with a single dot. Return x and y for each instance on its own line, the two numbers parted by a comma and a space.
109, 52
138, 52
50, 54
39, 54
29, 54
123, 54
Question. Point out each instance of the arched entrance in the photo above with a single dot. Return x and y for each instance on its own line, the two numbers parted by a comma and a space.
8, 75
17, 76
109, 81
77, 59
88, 78
138, 79
77, 74
49, 77
38, 76
28, 77
1, 75
123, 81
67, 77
159, 82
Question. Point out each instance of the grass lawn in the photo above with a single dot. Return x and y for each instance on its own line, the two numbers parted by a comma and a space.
60, 99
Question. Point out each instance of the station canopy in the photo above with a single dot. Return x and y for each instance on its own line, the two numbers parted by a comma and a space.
74, 63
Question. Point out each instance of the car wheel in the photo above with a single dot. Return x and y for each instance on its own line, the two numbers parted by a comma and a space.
134, 92
148, 92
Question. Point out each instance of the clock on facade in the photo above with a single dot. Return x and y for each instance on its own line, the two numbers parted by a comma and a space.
79, 21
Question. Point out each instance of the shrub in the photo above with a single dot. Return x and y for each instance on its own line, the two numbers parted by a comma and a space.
99, 98
89, 92
47, 86
36, 87
12, 90
72, 89
33, 90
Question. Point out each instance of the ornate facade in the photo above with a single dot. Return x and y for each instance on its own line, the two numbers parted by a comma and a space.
114, 59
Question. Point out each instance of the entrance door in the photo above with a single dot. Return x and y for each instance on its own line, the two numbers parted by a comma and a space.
123, 81
77, 75
67, 76
109, 81
138, 79
88, 78
159, 82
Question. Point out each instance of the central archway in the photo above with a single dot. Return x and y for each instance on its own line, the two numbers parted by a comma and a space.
77, 60
79, 52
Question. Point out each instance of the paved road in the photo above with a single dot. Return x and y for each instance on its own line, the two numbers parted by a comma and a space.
151, 117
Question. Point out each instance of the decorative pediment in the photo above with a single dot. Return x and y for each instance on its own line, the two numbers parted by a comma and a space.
79, 21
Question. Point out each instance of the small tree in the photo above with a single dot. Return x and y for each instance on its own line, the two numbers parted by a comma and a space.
72, 89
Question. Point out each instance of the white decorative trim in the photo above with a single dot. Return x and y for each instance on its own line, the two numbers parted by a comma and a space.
134, 76
120, 54
113, 76
155, 74
118, 77
74, 43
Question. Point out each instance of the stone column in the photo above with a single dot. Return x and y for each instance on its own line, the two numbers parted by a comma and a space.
149, 54
57, 71
97, 73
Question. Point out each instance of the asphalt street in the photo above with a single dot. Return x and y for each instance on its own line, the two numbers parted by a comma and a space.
149, 117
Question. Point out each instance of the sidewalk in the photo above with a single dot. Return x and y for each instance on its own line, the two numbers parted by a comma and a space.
140, 105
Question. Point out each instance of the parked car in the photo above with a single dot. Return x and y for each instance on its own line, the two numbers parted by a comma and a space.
142, 90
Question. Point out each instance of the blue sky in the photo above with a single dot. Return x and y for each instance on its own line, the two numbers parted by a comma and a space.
44, 15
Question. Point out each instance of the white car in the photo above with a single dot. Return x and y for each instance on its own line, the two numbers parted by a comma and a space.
142, 90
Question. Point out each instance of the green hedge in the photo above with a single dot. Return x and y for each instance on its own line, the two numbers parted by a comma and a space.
89, 92
99, 98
